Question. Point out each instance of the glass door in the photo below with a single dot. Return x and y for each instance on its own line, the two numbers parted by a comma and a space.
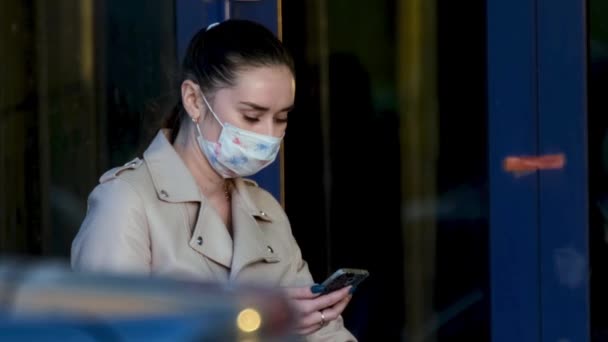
444, 145
389, 139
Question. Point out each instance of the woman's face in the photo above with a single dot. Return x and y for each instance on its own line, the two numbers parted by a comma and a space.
259, 102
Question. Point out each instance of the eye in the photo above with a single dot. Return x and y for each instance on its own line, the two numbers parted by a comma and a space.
250, 119
280, 120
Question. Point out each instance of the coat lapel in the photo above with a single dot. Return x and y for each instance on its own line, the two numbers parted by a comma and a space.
174, 184
250, 243
210, 236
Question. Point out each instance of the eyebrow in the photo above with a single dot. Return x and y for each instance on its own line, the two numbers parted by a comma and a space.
264, 109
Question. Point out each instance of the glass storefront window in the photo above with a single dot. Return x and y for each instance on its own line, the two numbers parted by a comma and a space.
85, 88
391, 106
390, 118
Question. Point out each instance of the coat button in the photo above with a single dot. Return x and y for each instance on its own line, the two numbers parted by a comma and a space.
270, 249
262, 213
164, 194
199, 240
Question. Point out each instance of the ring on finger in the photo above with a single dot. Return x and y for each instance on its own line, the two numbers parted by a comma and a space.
323, 321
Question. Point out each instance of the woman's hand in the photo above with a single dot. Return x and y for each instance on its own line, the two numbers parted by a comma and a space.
315, 311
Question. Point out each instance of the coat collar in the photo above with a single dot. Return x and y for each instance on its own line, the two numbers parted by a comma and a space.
174, 183
172, 179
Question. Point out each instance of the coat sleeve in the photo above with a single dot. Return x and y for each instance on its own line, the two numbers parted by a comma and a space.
114, 235
300, 276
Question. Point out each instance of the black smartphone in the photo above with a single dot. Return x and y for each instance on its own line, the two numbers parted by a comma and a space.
344, 277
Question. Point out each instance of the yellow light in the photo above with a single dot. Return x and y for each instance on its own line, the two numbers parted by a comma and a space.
249, 320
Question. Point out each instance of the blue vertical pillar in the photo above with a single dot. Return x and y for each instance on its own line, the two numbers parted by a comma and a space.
513, 129
562, 105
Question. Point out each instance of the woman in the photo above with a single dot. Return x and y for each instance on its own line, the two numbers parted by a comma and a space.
184, 210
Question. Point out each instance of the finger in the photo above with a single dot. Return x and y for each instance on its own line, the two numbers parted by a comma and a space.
311, 319
336, 310
329, 314
300, 293
325, 301
315, 319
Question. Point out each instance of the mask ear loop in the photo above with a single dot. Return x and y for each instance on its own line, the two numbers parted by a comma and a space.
197, 128
212, 112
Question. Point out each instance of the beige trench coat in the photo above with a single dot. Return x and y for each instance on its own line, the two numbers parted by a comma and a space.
149, 217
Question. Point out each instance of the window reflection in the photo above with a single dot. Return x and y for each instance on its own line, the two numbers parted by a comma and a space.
390, 120
85, 85
392, 110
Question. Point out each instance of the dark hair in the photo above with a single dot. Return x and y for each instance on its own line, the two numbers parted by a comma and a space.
215, 56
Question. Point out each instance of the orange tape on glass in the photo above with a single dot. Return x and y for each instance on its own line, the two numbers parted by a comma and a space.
527, 164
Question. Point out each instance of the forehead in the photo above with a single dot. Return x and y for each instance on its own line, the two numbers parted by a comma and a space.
268, 86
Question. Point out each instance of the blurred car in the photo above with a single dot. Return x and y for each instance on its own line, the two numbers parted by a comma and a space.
47, 301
